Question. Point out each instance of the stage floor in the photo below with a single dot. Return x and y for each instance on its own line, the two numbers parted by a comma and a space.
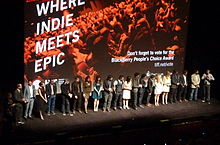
55, 126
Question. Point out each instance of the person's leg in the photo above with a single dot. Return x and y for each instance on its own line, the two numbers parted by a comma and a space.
171, 95
148, 98
208, 93
97, 105
155, 100
67, 105
41, 115
196, 93
63, 104
53, 103
79, 102
31, 107
163, 98
75, 104
127, 104
135, 94
26, 109
140, 99
109, 101
124, 104
191, 94
180, 93
94, 105
86, 105
120, 100
158, 98
166, 98
106, 95
116, 100
49, 105
184, 93
174, 95
17, 112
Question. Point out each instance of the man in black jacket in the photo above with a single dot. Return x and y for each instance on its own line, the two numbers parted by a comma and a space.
150, 85
19, 100
51, 91
77, 91
65, 91
174, 86
108, 86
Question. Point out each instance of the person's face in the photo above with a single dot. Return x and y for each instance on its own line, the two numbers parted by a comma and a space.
51, 81
122, 78
197, 72
208, 71
99, 79
111, 79
20, 86
29, 83
77, 79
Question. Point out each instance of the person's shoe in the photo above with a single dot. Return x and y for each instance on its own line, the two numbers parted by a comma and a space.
48, 114
30, 118
53, 113
181, 101
80, 111
104, 110
149, 105
127, 107
109, 110
120, 108
20, 122
115, 108
86, 111
141, 106
74, 112
203, 101
135, 108
209, 103
25, 118
71, 114
185, 100
64, 114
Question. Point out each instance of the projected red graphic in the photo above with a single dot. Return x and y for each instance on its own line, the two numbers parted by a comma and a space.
110, 37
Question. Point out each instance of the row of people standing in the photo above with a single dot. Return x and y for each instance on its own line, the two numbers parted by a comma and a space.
115, 93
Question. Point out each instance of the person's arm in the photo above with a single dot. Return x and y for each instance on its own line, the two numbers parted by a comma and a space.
211, 78
41, 95
115, 84
17, 98
203, 76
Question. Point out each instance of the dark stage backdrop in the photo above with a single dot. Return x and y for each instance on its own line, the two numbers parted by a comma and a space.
65, 38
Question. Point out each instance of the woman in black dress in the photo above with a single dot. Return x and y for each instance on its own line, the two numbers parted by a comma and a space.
42, 99
87, 92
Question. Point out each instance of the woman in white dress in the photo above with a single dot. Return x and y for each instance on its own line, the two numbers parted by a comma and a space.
158, 89
126, 94
166, 87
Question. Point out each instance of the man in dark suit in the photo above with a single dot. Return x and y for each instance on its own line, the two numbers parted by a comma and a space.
29, 95
77, 91
182, 92
108, 86
51, 91
150, 85
65, 91
174, 86
19, 100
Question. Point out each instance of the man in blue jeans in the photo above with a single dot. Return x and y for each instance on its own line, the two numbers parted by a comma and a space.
195, 79
51, 91
29, 95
